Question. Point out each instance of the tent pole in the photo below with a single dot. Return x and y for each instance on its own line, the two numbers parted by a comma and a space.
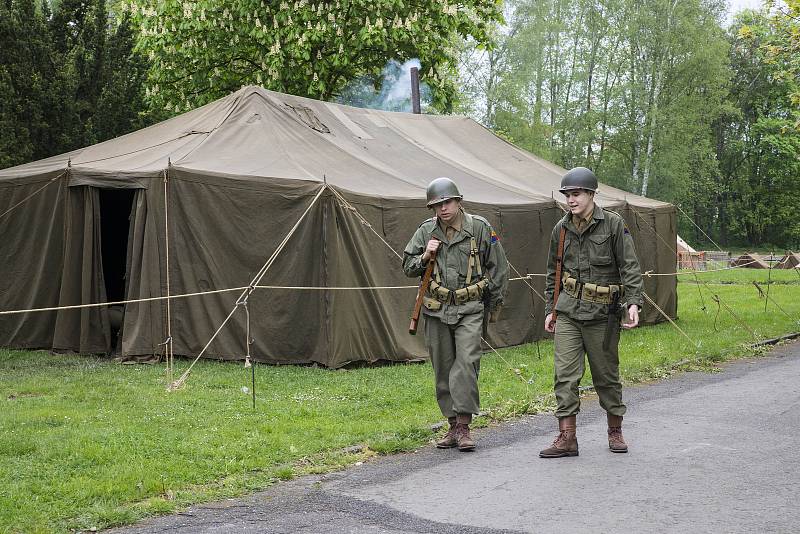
168, 342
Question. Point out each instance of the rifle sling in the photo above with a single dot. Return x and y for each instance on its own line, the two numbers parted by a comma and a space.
559, 267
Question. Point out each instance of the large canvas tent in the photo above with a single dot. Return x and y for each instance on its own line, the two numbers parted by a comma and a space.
196, 204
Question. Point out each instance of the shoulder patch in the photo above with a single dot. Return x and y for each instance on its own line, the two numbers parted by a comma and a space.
493, 237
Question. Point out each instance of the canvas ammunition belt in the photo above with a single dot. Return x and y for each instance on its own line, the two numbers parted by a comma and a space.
457, 296
441, 295
591, 292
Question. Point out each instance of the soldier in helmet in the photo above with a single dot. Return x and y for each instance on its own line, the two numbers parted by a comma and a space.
599, 279
470, 272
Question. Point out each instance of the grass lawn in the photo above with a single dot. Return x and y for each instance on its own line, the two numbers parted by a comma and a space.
85, 442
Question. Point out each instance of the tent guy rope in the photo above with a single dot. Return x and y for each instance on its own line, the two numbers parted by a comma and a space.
343, 201
24, 200
300, 288
249, 289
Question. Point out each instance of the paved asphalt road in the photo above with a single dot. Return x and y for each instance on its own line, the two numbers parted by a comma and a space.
709, 453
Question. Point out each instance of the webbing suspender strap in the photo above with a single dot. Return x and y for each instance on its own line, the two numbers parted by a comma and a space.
475, 251
473, 261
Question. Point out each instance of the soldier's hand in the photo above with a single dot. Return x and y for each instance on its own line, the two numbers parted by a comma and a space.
433, 244
633, 316
549, 323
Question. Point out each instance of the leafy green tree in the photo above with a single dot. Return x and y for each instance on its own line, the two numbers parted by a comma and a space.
120, 106
627, 88
201, 50
758, 145
68, 78
26, 71
101, 76
784, 48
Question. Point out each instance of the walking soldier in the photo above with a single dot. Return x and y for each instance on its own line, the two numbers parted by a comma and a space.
470, 274
592, 276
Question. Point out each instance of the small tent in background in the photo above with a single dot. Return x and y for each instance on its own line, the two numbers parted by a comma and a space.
196, 204
750, 261
689, 258
790, 261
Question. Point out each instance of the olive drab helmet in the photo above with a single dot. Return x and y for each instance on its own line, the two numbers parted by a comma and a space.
579, 178
442, 189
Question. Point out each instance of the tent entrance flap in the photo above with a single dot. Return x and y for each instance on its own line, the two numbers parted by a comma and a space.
115, 213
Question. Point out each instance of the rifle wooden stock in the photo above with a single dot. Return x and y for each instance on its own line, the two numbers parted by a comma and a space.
559, 267
423, 288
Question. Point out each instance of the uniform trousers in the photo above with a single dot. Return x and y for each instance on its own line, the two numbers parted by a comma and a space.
573, 340
455, 352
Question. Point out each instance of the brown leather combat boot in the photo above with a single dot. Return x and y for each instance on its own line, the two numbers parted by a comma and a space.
615, 440
566, 444
464, 440
449, 440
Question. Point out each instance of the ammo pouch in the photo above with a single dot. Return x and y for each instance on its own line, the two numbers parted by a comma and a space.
431, 303
440, 294
591, 292
458, 296
471, 292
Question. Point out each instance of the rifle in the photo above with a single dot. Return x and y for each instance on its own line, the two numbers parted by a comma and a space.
423, 288
559, 266
613, 320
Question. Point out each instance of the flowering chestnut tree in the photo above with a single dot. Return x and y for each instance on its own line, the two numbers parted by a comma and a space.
200, 50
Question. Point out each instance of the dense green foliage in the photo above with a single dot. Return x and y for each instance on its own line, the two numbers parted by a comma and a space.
660, 99
68, 78
758, 146
86, 442
203, 49
785, 48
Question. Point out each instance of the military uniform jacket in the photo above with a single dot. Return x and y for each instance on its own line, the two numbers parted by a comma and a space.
452, 260
603, 254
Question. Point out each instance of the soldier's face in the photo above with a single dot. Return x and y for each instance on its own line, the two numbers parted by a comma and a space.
447, 210
580, 202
